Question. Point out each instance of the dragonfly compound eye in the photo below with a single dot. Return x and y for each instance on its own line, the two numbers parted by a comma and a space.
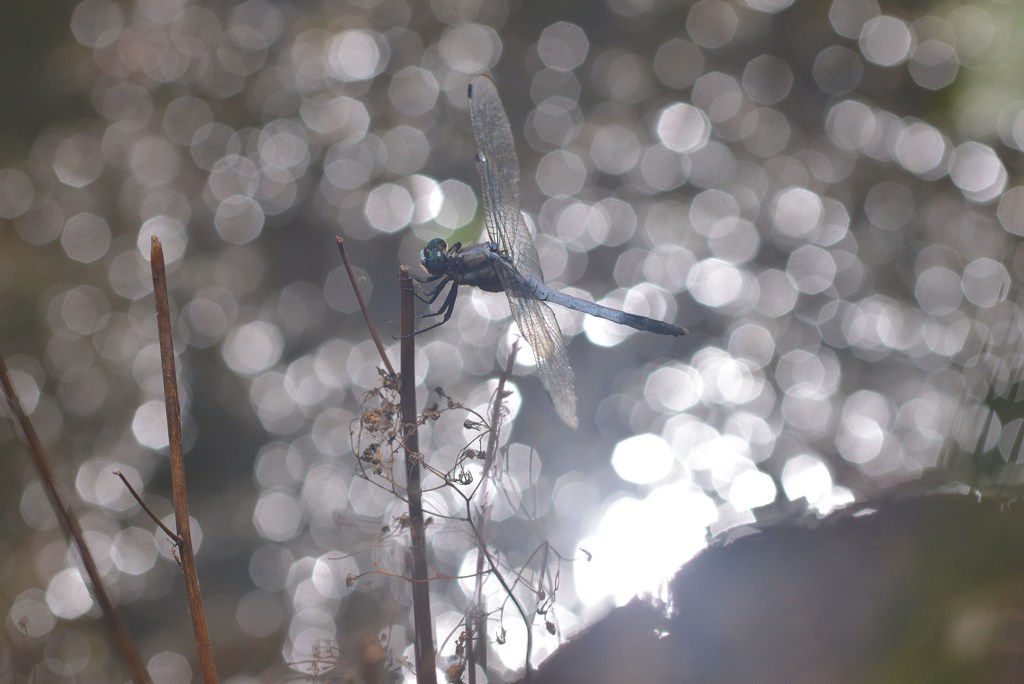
434, 257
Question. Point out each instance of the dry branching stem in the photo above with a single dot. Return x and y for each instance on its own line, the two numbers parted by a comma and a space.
477, 622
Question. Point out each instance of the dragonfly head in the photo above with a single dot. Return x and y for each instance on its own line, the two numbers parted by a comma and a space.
434, 257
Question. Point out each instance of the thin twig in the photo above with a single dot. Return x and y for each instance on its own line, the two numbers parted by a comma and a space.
499, 401
477, 624
69, 521
179, 493
496, 571
363, 307
426, 662
160, 523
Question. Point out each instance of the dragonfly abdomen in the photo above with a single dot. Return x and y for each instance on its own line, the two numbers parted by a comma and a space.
632, 320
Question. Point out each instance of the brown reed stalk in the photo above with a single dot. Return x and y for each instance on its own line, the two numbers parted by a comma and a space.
179, 492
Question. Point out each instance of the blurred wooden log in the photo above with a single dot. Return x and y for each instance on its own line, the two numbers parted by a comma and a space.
927, 589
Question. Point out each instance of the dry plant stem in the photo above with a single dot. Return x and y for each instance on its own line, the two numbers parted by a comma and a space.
476, 650
179, 494
72, 527
426, 664
362, 305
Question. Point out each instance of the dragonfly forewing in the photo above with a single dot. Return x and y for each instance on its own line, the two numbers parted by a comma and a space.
497, 161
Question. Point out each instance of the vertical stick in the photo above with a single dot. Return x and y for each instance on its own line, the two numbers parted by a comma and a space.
69, 521
426, 666
179, 494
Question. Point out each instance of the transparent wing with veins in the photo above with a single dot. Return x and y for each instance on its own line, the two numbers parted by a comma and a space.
499, 177
537, 323
499, 166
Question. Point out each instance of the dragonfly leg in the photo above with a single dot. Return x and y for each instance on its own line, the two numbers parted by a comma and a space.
445, 310
431, 295
428, 279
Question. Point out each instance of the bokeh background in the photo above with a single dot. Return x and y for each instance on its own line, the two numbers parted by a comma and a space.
825, 193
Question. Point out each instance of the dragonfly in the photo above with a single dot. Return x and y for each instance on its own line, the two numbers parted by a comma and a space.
508, 261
